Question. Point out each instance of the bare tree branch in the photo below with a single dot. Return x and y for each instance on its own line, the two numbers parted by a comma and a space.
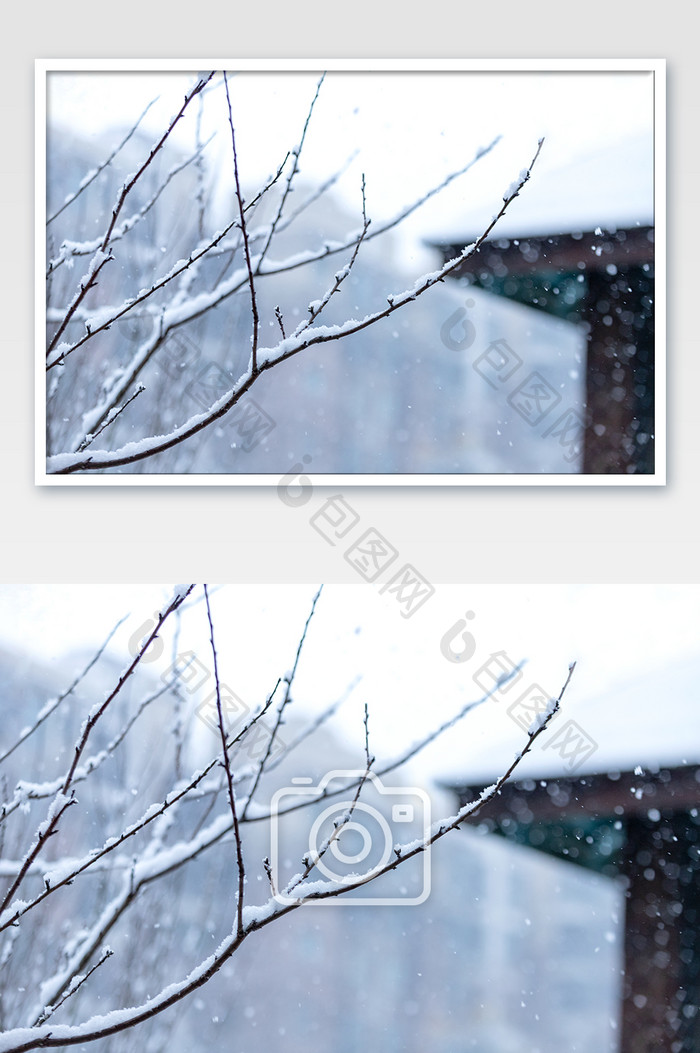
102, 255
62, 801
89, 439
24, 1039
289, 680
246, 247
315, 308
75, 985
227, 768
160, 857
51, 706
185, 306
91, 176
296, 153
67, 464
71, 250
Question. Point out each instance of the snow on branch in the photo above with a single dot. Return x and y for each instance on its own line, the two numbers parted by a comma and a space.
184, 293
326, 793
69, 250
244, 232
104, 319
157, 855
226, 760
404, 852
53, 704
60, 873
32, 791
65, 796
267, 358
74, 985
296, 154
316, 306
104, 252
92, 175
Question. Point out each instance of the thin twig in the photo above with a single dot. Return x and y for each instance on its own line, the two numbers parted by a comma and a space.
369, 760
285, 222
129, 305
93, 175
240, 739
316, 308
125, 378
289, 680
59, 805
89, 439
102, 256
312, 858
422, 286
61, 801
128, 187
100, 709
74, 986
290, 179
70, 249
227, 768
467, 811
315, 724
403, 758
93, 858
177, 725
49, 708
36, 792
244, 232
331, 249
200, 196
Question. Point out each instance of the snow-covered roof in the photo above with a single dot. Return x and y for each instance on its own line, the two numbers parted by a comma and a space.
610, 188
651, 722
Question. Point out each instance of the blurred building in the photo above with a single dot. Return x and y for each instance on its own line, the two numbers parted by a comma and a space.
617, 791
578, 244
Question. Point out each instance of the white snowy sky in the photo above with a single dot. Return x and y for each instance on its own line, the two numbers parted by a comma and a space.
617, 634
412, 128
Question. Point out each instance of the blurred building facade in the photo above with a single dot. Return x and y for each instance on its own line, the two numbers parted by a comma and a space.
617, 792
579, 244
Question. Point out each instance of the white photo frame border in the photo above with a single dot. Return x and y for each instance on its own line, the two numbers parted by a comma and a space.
657, 67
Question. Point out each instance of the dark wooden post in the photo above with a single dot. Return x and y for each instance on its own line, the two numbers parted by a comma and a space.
618, 310
652, 988
617, 267
658, 856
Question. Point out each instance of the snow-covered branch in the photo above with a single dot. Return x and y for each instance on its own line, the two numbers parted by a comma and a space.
268, 358
104, 254
46, 711
188, 289
70, 250
94, 173
86, 952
